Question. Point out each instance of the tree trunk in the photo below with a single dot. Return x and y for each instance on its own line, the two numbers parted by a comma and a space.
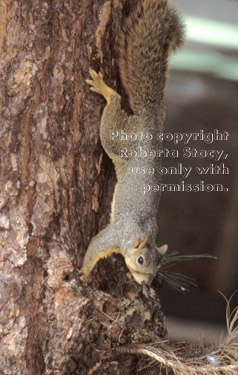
56, 185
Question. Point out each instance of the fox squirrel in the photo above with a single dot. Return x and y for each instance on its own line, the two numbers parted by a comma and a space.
151, 31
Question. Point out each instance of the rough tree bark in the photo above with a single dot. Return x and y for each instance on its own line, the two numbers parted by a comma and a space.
55, 190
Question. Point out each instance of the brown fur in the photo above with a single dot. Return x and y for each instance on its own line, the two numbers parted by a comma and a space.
151, 31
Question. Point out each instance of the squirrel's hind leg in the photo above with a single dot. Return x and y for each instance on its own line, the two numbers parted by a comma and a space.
113, 120
99, 86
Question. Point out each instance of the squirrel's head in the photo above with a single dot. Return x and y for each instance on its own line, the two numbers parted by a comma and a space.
143, 260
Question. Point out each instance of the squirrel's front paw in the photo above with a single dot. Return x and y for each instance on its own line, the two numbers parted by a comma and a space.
82, 276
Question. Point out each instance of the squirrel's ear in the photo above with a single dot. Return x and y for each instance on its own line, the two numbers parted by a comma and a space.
140, 242
162, 249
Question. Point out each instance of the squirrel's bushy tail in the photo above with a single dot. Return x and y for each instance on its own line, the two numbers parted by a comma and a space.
148, 35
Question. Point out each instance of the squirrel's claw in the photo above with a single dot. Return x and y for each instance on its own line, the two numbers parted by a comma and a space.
95, 76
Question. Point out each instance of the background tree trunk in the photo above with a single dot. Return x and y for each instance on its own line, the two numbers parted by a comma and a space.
56, 186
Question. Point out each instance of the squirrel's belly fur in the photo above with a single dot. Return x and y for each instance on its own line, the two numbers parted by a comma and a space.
129, 195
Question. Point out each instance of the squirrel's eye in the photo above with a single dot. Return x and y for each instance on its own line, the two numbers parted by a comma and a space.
140, 260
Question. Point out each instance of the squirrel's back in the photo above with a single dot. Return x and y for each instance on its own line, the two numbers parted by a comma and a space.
148, 35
